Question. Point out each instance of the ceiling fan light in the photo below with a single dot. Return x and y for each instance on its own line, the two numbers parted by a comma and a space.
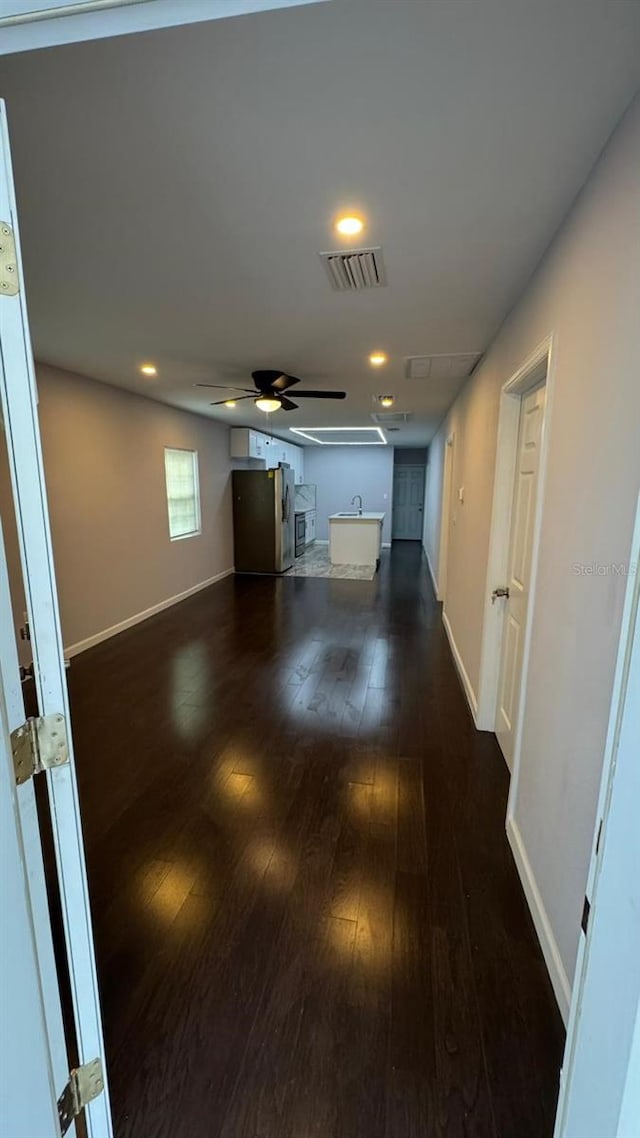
267, 403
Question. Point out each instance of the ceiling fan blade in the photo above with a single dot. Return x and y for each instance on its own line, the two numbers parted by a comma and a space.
225, 387
221, 402
287, 404
321, 395
269, 380
285, 381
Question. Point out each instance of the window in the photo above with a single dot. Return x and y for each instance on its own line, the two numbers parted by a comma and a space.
183, 492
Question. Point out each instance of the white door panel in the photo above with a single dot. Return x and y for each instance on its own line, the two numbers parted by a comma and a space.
408, 502
600, 1083
18, 402
31, 1022
520, 547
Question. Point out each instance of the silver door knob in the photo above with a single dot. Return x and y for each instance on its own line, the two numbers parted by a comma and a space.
502, 592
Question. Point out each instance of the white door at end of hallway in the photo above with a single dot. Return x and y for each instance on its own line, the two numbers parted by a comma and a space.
408, 502
520, 562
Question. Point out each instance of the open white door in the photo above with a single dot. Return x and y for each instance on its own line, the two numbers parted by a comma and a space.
518, 589
41, 1042
600, 1083
31, 1017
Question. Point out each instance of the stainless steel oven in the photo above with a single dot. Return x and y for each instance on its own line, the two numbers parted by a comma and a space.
300, 531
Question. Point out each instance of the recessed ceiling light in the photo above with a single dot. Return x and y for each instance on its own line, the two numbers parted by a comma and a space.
148, 369
349, 226
229, 402
386, 400
267, 403
377, 359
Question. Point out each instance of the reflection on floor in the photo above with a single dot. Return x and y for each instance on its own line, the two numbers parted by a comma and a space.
308, 921
315, 563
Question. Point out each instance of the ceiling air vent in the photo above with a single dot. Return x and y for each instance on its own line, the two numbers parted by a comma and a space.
455, 366
383, 418
355, 269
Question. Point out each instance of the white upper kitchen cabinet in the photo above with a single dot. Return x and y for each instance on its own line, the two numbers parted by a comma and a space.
278, 452
296, 461
299, 465
245, 443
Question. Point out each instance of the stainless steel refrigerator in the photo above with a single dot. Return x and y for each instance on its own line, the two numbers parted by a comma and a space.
263, 526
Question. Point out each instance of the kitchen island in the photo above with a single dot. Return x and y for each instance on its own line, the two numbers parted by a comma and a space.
355, 539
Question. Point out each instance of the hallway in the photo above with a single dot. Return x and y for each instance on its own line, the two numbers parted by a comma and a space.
308, 921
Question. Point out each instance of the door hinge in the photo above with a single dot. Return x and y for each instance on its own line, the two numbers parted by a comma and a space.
586, 910
38, 745
85, 1084
25, 630
9, 283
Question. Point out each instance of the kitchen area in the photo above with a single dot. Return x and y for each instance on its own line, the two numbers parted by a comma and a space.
278, 527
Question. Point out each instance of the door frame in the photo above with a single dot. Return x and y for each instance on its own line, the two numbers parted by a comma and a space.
445, 516
19, 403
539, 367
580, 1055
407, 466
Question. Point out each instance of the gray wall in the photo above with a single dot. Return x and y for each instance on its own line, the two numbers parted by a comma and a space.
104, 467
586, 293
339, 472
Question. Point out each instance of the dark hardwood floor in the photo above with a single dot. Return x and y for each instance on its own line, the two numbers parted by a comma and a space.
308, 921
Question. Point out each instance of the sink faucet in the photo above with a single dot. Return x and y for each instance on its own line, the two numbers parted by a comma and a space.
359, 497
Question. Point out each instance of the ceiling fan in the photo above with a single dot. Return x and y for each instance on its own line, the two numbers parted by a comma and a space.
270, 387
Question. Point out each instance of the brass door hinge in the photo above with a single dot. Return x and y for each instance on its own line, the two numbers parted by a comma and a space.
85, 1084
9, 282
38, 745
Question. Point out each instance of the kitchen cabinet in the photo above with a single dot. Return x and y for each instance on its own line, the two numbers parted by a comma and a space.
277, 453
295, 458
298, 465
355, 539
245, 443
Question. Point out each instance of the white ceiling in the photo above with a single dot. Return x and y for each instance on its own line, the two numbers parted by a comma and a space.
175, 187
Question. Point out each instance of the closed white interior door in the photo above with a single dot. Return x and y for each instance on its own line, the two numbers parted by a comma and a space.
519, 571
408, 502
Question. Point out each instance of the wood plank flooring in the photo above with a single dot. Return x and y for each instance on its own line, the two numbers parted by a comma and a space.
308, 922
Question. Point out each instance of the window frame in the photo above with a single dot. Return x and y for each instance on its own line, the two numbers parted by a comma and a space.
196, 492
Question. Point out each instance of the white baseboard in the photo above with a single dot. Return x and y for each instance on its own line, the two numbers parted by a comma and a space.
462, 671
432, 574
137, 618
548, 944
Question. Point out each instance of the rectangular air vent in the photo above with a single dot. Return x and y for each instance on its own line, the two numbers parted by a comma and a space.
354, 270
457, 365
385, 417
